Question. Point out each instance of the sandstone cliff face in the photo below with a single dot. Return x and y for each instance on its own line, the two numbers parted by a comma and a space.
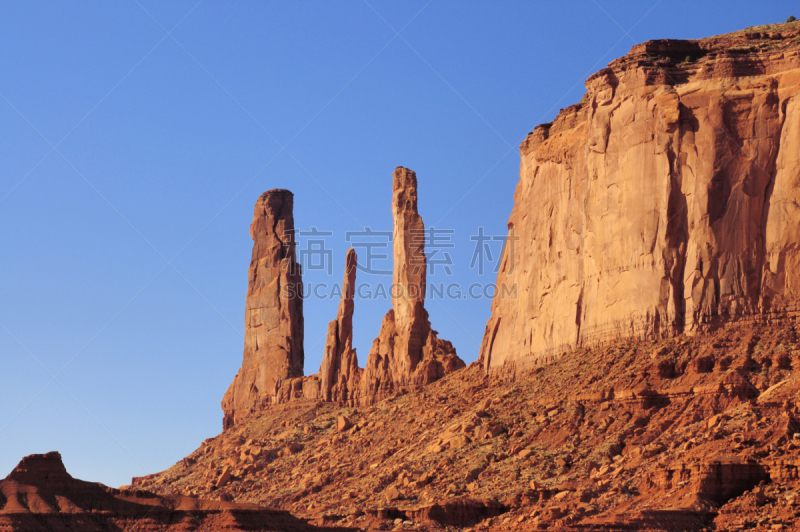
666, 201
273, 345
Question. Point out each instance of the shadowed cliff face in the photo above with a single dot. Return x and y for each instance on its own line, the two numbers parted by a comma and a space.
666, 201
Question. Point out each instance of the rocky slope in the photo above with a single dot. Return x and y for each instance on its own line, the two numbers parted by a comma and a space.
679, 434
665, 202
39, 495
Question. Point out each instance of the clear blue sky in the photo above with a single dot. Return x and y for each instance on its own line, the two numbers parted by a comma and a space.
136, 138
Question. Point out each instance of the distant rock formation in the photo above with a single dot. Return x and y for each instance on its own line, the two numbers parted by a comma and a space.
339, 374
666, 201
39, 495
407, 352
273, 343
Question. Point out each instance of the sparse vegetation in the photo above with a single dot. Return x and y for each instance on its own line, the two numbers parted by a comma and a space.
791, 18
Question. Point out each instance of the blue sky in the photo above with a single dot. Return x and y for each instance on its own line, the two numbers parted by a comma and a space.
136, 137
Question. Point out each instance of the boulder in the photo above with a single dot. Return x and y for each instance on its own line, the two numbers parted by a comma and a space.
343, 424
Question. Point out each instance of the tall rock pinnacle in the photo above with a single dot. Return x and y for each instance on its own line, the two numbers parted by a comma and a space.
407, 352
410, 269
273, 344
339, 373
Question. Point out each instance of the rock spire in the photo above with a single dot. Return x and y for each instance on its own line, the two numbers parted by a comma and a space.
273, 344
407, 352
339, 373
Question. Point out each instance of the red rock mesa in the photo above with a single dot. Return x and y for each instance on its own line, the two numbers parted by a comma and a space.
666, 201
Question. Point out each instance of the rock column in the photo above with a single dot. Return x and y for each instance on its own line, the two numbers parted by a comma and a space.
339, 373
273, 345
407, 352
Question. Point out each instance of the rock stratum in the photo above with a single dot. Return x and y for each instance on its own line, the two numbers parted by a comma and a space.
407, 353
39, 495
667, 201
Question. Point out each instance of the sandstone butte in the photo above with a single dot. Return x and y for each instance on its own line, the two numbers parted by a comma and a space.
666, 201
407, 353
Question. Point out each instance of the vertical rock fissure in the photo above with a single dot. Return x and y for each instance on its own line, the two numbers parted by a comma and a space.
578, 311
768, 205
677, 230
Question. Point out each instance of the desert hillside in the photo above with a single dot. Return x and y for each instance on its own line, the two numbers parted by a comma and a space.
680, 434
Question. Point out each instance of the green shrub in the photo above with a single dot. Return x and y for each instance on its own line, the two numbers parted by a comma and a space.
791, 19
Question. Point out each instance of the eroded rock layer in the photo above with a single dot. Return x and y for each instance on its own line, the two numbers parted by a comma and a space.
666, 201
39, 495
273, 344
